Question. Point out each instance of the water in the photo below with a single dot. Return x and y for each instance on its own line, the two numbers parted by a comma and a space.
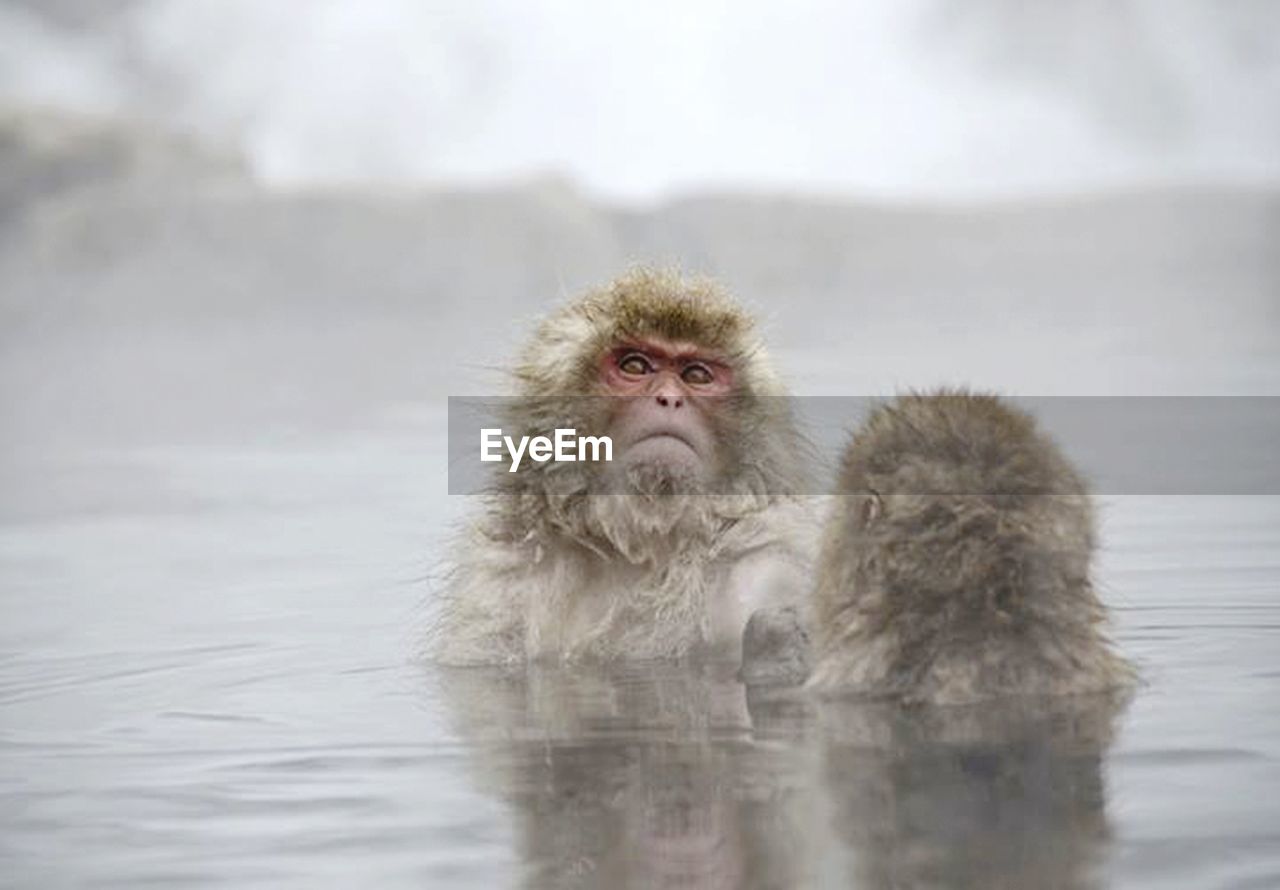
208, 678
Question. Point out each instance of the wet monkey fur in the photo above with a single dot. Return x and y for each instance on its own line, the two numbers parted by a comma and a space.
956, 562
668, 549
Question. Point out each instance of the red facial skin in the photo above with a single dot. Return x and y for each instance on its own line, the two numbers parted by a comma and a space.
676, 370
670, 389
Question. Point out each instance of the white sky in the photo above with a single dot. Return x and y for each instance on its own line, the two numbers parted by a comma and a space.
637, 100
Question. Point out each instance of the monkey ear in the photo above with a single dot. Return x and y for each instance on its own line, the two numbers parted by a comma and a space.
872, 506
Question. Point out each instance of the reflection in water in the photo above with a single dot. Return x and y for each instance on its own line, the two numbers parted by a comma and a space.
647, 778
1001, 795
664, 776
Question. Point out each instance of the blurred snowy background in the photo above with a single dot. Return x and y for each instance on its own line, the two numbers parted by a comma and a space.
227, 219
922, 98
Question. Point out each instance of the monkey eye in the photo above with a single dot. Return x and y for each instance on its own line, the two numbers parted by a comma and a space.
635, 364
697, 374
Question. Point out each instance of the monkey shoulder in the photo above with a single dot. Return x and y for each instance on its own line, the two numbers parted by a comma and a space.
788, 527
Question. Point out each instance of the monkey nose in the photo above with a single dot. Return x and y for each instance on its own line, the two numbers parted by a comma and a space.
669, 397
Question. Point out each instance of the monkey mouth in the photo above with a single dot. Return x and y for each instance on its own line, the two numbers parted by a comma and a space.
662, 462
666, 446
658, 436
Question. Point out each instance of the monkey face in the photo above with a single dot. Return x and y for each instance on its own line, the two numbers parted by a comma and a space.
673, 373
663, 414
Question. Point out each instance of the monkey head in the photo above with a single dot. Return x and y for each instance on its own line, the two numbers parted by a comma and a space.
674, 373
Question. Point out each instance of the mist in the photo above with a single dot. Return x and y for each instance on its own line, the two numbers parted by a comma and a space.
922, 99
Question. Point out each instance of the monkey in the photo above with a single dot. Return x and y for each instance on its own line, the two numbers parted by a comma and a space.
955, 563
666, 550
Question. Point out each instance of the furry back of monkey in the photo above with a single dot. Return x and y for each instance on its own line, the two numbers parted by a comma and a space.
956, 562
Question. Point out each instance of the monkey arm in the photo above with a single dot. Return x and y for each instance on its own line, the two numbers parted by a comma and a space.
771, 585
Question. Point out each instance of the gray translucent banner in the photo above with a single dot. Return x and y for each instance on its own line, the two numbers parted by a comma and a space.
1184, 445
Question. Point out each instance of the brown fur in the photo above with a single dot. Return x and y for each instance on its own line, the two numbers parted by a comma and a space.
559, 359
556, 569
956, 563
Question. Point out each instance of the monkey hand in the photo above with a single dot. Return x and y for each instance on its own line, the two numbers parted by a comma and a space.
775, 648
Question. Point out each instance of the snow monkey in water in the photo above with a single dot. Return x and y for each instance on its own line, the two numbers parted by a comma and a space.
955, 566
667, 549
